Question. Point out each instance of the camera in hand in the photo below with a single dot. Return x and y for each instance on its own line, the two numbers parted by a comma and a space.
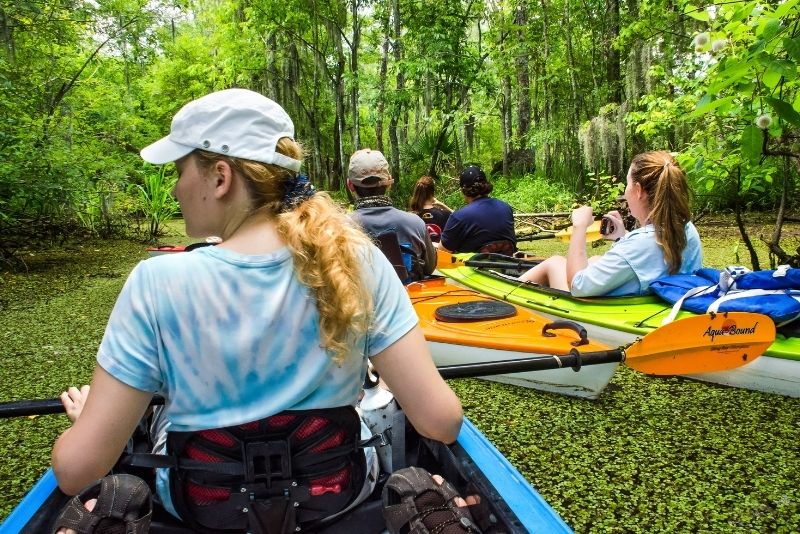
606, 226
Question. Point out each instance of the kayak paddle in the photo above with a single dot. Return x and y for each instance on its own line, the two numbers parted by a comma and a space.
703, 343
592, 233
699, 344
446, 260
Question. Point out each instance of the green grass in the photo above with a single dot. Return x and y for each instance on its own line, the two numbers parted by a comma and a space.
652, 455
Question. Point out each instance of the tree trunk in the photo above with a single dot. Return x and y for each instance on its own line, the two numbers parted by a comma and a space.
382, 83
575, 105
523, 77
354, 73
397, 107
505, 121
613, 62
545, 96
469, 129
740, 223
573, 82
339, 97
7, 36
316, 172
273, 79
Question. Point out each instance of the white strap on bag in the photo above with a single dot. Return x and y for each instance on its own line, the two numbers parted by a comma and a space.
695, 291
744, 293
781, 271
727, 282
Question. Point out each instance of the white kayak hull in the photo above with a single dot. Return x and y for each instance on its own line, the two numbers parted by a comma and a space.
769, 375
588, 383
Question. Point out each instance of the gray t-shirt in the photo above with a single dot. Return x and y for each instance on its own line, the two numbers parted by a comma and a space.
408, 227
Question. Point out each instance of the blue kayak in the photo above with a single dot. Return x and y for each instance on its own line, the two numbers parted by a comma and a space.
472, 464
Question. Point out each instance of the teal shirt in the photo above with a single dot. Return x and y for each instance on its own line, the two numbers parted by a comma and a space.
632, 263
230, 338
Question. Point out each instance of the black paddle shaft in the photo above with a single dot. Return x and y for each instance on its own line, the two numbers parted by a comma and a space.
43, 407
574, 359
501, 264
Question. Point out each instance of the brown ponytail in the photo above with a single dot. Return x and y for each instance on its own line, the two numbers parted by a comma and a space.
667, 189
424, 190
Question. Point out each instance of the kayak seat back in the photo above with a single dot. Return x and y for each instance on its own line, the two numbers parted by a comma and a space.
271, 476
406, 264
434, 232
502, 246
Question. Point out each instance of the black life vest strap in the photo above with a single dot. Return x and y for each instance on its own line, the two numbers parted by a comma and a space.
170, 461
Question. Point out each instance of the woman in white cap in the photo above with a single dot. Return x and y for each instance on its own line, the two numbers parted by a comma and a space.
282, 315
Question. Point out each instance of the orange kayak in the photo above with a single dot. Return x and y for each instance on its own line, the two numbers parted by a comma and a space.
463, 326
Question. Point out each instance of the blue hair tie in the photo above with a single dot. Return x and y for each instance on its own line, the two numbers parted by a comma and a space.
298, 190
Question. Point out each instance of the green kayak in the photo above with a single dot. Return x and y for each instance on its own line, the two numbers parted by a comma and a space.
616, 320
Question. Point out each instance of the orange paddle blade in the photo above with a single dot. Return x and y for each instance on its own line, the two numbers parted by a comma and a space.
711, 342
592, 233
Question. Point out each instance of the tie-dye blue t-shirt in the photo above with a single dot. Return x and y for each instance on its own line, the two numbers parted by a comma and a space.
229, 338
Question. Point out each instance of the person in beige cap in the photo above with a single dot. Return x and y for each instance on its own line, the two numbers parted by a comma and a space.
283, 315
368, 178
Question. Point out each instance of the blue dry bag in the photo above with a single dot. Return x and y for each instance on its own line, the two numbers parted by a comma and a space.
775, 293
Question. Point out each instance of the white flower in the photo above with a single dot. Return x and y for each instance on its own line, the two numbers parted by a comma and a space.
764, 121
718, 45
701, 39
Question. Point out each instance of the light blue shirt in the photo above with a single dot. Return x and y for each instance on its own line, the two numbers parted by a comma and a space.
632, 263
230, 338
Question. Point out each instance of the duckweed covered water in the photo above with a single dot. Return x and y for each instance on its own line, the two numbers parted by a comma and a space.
651, 455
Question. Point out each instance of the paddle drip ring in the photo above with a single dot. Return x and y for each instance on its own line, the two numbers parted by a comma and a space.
474, 310
578, 360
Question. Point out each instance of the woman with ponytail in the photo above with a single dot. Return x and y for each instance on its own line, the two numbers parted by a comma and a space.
665, 241
425, 204
283, 315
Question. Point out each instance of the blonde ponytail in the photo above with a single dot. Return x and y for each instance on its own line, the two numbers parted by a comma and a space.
329, 256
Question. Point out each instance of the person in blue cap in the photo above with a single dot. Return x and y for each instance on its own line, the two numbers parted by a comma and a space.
485, 224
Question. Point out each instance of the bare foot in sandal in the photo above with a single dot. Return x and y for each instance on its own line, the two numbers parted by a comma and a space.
116, 504
416, 501
89, 505
471, 500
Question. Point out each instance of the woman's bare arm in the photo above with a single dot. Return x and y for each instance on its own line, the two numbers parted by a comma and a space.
427, 400
90, 448
577, 259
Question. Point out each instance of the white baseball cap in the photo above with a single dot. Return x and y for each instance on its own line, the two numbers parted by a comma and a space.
234, 122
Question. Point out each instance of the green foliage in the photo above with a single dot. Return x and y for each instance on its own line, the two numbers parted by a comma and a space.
533, 194
651, 455
603, 192
416, 154
156, 201
751, 72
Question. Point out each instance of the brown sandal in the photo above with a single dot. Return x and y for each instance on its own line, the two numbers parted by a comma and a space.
414, 503
124, 506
